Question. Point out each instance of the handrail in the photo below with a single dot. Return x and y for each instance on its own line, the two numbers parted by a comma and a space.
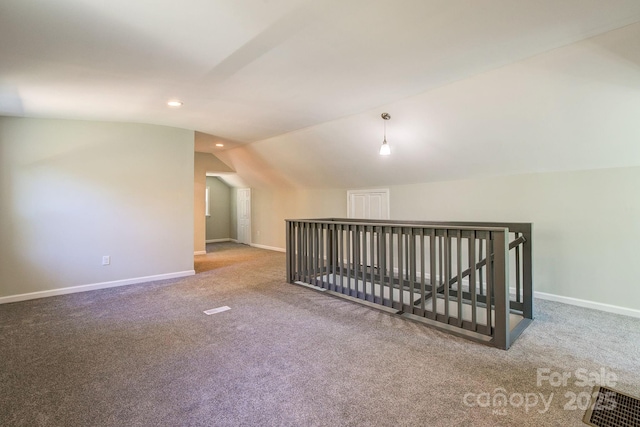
390, 263
520, 240
405, 224
520, 227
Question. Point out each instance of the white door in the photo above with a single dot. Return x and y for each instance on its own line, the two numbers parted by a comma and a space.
368, 204
244, 215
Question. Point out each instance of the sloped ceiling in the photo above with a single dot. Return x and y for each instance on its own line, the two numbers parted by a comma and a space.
573, 108
473, 88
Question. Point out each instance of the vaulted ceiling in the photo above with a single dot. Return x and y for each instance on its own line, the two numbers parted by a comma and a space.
308, 79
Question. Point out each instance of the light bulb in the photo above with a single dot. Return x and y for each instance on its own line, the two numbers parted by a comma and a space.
385, 150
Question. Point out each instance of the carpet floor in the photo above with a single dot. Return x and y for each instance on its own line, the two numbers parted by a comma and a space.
284, 355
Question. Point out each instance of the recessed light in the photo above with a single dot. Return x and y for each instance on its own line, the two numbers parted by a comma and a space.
174, 103
219, 145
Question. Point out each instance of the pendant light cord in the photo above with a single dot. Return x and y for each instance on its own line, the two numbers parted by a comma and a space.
385, 131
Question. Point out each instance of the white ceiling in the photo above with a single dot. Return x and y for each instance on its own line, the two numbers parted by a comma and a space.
248, 70
573, 108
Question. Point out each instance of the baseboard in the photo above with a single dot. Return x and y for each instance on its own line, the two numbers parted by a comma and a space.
217, 240
269, 248
94, 286
589, 304
200, 253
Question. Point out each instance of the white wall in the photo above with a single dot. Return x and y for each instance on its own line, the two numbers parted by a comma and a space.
270, 208
586, 224
73, 191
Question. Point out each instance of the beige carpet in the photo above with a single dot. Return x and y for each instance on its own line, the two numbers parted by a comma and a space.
284, 355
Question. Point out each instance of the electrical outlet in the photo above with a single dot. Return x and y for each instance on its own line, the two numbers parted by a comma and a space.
106, 260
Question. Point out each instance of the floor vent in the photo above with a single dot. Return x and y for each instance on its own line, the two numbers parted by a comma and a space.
610, 408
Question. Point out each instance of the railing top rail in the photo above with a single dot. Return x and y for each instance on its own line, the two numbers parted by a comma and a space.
521, 227
408, 224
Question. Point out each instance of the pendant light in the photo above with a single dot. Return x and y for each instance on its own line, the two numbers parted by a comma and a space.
385, 150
